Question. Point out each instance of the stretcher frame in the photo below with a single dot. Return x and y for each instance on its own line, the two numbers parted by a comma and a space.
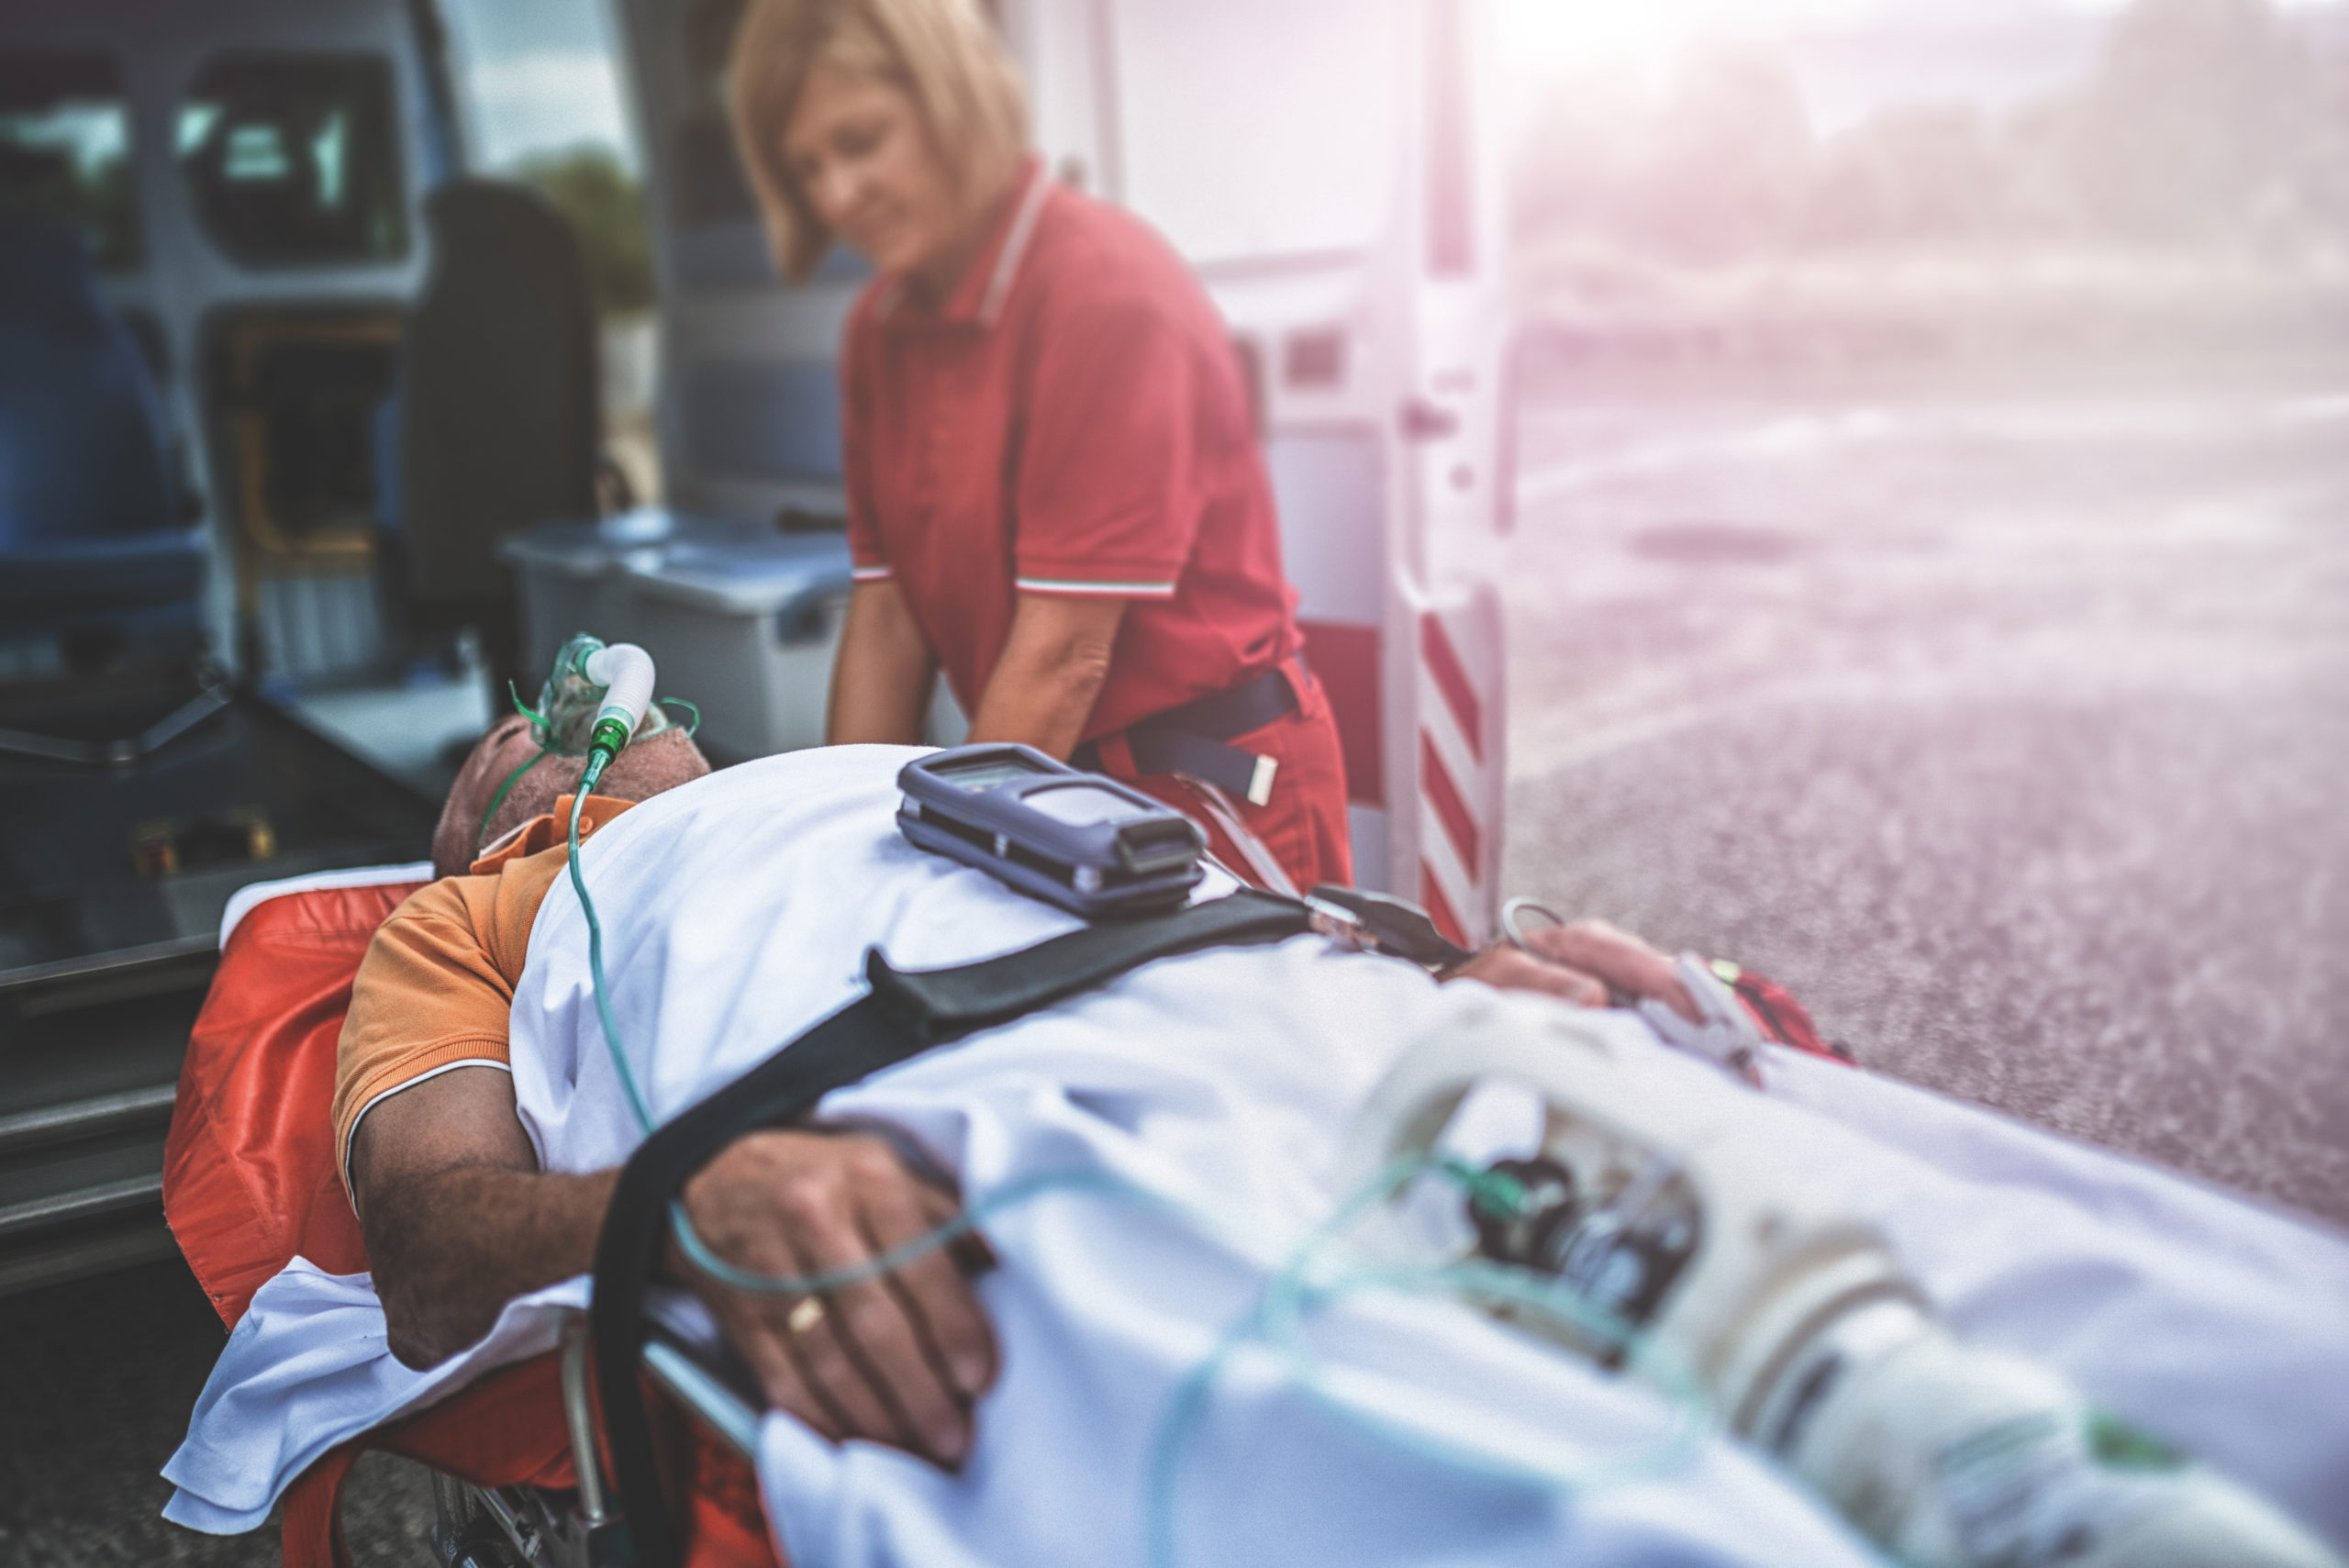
540, 1528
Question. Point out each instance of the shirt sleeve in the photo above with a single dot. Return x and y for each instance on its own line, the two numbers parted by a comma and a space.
866, 561
429, 996
1106, 487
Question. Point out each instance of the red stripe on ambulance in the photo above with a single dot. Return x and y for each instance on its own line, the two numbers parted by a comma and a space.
1439, 909
1435, 782
1456, 703
1452, 681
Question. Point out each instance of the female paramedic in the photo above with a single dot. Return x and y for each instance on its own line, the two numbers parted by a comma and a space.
1055, 492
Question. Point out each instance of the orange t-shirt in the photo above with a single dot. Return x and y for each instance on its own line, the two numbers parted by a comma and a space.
436, 989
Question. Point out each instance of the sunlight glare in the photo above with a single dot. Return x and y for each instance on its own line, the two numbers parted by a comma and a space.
1645, 36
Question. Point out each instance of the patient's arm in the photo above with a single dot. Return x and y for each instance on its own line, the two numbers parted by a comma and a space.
458, 1216
459, 1220
1583, 962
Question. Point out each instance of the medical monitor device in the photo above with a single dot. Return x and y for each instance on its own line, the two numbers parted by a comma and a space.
1089, 844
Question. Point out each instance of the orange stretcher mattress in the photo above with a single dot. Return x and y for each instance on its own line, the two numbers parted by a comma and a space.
250, 1183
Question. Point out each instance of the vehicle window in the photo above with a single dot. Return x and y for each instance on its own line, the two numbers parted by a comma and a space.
65, 149
294, 159
709, 186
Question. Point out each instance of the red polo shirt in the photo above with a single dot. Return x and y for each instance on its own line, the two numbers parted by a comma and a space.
1071, 421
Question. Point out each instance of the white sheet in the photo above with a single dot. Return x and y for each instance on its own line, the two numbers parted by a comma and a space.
1219, 1080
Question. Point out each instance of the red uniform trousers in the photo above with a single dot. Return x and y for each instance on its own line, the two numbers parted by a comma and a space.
1303, 823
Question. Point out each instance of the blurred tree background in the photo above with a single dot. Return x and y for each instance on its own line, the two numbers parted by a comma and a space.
2194, 178
604, 202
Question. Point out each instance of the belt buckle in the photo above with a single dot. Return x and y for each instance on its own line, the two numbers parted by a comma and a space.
1260, 782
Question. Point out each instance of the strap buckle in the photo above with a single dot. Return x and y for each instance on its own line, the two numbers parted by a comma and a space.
1384, 923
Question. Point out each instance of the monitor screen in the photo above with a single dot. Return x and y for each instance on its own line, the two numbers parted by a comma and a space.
984, 773
1081, 805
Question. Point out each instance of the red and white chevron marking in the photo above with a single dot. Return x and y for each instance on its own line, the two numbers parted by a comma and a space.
1460, 766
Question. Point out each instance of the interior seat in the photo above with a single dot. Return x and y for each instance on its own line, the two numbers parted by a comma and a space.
499, 407
92, 536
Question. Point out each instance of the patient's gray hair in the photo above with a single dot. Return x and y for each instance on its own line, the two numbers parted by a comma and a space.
642, 770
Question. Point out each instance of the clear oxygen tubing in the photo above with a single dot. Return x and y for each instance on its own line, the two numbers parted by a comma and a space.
1295, 1290
1275, 1320
625, 672
1301, 1286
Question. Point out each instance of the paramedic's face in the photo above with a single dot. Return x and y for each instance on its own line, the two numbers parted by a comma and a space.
862, 157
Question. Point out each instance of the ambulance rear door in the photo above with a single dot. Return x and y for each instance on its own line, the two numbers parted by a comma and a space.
1331, 170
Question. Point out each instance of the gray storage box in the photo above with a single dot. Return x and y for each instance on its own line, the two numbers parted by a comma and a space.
741, 620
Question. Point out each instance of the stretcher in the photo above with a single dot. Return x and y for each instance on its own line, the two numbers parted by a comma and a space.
250, 1184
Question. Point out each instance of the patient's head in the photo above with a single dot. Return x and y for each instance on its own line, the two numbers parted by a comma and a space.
642, 771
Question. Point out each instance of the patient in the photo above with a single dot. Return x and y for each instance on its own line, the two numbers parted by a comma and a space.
1152, 1161
459, 1218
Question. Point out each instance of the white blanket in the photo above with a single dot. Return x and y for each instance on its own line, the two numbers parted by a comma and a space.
736, 913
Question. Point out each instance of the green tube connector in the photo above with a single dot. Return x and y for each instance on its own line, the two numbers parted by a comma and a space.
597, 760
609, 736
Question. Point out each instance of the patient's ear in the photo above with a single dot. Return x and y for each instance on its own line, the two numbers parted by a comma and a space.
493, 757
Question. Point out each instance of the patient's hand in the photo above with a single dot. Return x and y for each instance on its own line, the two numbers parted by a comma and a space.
1583, 963
898, 1358
460, 1220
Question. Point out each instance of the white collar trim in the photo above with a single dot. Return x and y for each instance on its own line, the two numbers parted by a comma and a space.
1015, 245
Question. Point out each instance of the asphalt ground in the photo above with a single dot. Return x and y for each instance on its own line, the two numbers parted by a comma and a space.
2008, 730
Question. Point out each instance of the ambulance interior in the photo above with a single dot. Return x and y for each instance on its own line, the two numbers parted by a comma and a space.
304, 462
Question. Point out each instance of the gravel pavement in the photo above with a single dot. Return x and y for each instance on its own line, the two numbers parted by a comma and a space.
2011, 734
2008, 732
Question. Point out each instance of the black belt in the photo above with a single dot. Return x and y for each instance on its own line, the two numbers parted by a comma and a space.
1190, 739
901, 1015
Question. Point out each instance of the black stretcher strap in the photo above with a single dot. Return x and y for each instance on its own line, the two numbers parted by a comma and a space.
902, 1015
1190, 739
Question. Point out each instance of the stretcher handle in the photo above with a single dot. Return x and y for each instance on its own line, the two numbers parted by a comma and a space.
702, 1391
579, 1416
699, 1390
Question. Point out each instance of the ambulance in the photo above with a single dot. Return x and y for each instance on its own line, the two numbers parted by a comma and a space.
290, 391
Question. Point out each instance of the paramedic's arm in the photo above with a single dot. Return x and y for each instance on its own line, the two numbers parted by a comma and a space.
882, 674
459, 1220
1050, 671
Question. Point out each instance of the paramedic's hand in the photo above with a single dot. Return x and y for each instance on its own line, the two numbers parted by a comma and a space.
899, 1358
1583, 962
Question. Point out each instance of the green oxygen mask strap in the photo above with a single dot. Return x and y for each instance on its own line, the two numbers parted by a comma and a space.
504, 790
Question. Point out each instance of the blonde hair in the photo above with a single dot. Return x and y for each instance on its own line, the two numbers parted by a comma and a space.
943, 53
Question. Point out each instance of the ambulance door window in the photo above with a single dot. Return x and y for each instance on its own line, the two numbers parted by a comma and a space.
65, 150
707, 185
293, 160
1252, 130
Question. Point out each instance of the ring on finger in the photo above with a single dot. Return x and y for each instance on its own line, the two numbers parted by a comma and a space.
1513, 915
804, 1315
